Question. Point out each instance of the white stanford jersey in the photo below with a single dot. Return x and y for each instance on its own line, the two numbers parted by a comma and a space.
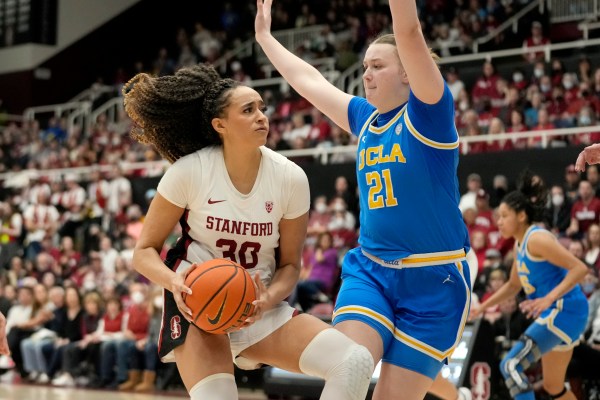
221, 222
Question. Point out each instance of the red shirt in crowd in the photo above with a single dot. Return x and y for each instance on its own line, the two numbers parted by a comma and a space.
586, 215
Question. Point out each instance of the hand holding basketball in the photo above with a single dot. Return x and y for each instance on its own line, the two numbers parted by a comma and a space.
177, 288
262, 302
222, 297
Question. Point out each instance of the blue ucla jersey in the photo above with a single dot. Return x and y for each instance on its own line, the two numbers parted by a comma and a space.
406, 172
538, 276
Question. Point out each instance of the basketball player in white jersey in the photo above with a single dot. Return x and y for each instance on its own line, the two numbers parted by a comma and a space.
234, 199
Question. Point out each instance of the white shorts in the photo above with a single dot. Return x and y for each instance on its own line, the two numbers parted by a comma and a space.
272, 320
240, 340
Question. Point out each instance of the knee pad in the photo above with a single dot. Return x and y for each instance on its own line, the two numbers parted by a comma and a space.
215, 387
347, 367
524, 353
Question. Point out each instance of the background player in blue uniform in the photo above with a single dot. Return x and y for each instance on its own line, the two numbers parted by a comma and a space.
405, 291
549, 275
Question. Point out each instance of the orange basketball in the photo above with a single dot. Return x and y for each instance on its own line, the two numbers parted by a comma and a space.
222, 295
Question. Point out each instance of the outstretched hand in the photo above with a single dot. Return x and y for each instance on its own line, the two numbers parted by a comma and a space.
590, 155
262, 23
3, 341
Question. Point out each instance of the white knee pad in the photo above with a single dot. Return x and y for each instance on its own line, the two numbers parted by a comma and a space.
215, 387
346, 366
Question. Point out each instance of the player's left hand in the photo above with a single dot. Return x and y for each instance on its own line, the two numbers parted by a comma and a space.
534, 308
262, 303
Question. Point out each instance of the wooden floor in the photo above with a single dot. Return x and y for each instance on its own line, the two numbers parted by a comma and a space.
16, 391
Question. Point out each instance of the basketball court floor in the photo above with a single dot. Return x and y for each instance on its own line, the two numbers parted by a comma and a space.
17, 391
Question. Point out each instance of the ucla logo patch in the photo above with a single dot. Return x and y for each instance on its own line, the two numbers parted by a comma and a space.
398, 129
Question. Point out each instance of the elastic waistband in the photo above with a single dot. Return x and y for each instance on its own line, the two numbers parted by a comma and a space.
420, 260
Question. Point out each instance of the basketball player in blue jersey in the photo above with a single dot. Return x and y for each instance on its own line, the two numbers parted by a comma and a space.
406, 290
549, 275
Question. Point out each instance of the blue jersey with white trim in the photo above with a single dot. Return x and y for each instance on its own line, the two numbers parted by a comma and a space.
406, 172
537, 275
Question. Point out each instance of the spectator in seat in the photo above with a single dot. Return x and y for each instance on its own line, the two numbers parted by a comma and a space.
586, 117
592, 252
497, 127
557, 216
454, 83
584, 70
318, 220
485, 86
517, 125
536, 39
571, 185
485, 215
318, 278
585, 211
557, 71
468, 199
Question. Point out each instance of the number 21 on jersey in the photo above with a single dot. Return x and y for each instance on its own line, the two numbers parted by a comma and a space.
381, 189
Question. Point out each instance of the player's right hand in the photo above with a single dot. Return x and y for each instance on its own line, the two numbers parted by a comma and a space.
590, 155
262, 23
3, 341
475, 313
177, 288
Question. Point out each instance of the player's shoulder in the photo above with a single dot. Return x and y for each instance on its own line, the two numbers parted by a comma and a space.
280, 168
277, 160
204, 155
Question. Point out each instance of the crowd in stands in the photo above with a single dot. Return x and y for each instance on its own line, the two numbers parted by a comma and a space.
78, 314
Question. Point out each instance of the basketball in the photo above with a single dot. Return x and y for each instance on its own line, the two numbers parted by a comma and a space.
222, 295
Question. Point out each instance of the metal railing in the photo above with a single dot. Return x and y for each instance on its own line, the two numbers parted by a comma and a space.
75, 112
112, 108
291, 39
512, 22
573, 10
331, 76
93, 92
351, 80
587, 26
243, 50
322, 64
321, 154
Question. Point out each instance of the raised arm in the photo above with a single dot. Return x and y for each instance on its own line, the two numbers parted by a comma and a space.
303, 77
425, 78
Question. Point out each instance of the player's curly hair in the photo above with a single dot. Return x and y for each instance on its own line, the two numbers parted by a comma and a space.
174, 113
531, 196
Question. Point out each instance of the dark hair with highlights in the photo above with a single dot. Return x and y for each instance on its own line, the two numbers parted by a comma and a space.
174, 113
530, 197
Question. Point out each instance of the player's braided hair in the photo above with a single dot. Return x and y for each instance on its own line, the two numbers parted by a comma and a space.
174, 113
530, 196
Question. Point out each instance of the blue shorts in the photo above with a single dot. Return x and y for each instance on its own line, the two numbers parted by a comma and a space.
420, 312
559, 328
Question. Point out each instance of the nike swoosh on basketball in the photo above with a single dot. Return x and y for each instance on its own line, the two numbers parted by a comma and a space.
217, 317
211, 201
